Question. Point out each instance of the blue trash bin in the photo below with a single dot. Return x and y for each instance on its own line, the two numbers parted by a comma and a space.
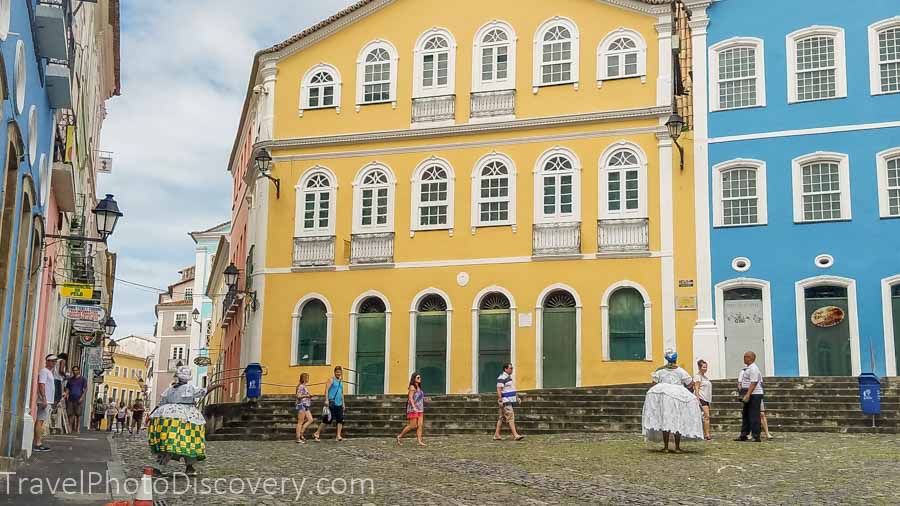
870, 394
253, 372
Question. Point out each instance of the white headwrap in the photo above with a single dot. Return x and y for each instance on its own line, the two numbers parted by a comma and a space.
183, 373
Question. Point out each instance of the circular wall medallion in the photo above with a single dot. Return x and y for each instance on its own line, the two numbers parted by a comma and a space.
462, 279
824, 261
741, 264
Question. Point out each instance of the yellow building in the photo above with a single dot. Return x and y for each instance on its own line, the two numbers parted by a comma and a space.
473, 183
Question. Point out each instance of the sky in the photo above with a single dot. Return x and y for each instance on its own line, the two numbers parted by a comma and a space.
185, 66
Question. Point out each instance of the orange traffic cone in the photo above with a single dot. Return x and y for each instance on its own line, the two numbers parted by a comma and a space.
144, 495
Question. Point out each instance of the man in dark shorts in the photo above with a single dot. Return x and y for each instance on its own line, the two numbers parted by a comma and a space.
75, 389
137, 417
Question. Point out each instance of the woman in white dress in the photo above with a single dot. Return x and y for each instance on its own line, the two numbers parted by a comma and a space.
670, 407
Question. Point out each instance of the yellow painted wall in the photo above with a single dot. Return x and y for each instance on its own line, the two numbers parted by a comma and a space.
120, 382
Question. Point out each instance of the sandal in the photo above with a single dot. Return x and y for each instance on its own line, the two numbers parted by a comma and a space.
498, 439
338, 439
398, 441
421, 444
316, 437
519, 438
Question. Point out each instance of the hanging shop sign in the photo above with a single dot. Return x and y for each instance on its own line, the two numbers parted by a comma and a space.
83, 312
202, 361
88, 340
86, 326
827, 316
78, 291
107, 364
94, 359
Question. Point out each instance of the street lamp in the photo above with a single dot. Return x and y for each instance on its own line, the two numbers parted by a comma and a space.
264, 166
109, 327
231, 278
195, 315
112, 347
107, 215
675, 124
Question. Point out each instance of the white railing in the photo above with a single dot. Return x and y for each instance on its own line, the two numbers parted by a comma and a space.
549, 239
372, 248
487, 104
430, 109
625, 235
312, 251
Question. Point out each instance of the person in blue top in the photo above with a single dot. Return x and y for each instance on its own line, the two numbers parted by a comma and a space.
334, 394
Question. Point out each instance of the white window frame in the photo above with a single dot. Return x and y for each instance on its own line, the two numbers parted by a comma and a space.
306, 84
881, 161
539, 216
5, 8
603, 182
603, 53
875, 55
21, 78
476, 191
843, 162
176, 352
419, 89
762, 212
175, 321
840, 60
648, 318
391, 185
301, 191
891, 364
295, 327
361, 72
478, 45
736, 42
538, 53
416, 191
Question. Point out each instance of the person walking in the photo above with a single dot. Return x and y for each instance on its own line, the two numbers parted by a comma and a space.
59, 420
98, 413
304, 403
45, 396
415, 409
334, 404
750, 390
508, 400
670, 409
110, 413
137, 416
763, 421
75, 389
121, 417
703, 391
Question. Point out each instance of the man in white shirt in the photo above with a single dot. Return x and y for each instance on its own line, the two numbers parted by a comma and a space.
750, 389
507, 399
46, 394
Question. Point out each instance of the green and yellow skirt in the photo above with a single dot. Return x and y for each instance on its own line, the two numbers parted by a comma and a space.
178, 437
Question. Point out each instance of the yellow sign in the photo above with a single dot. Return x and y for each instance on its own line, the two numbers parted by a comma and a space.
77, 291
686, 303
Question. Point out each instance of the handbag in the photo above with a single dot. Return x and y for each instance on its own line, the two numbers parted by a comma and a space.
326, 411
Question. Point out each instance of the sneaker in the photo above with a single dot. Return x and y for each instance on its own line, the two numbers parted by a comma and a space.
41, 448
741, 439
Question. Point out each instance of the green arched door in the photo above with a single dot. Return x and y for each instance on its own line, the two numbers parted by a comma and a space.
494, 340
431, 343
626, 325
371, 325
828, 331
558, 339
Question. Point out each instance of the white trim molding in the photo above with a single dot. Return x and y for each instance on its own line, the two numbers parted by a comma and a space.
300, 206
840, 60
306, 84
394, 59
604, 53
476, 302
768, 340
605, 169
295, 326
420, 90
843, 162
539, 332
417, 203
354, 335
539, 172
648, 317
511, 177
538, 53
758, 47
759, 168
495, 84
890, 352
875, 55
413, 311
359, 184
884, 189
800, 301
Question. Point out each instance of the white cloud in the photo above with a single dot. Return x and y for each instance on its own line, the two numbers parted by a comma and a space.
185, 67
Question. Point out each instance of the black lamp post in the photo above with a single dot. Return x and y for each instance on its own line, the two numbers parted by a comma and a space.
264, 166
109, 327
106, 215
195, 315
112, 347
675, 124
231, 278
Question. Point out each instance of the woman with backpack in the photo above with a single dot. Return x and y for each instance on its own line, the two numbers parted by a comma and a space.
415, 409
334, 404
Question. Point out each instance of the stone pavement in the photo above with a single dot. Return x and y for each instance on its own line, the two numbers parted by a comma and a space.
560, 469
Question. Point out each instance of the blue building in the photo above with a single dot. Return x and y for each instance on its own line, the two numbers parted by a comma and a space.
803, 118
206, 242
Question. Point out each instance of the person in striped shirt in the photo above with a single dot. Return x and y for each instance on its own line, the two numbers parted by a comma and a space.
506, 398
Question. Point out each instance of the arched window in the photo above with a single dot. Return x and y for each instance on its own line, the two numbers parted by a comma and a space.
739, 189
313, 333
494, 58
623, 182
377, 74
556, 53
737, 74
821, 183
622, 54
494, 191
432, 205
435, 62
816, 64
321, 88
884, 56
557, 187
373, 206
888, 163
315, 204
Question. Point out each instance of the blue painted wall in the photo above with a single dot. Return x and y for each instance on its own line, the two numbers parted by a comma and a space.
866, 248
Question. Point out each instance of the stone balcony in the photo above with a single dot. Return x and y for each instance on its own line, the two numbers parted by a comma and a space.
313, 251
492, 104
433, 109
629, 235
372, 248
556, 239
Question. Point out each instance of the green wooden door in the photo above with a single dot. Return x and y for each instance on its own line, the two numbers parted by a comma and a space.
493, 346
626, 325
431, 350
559, 347
370, 334
828, 335
895, 302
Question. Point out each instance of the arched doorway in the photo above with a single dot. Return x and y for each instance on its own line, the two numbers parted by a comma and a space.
431, 343
312, 348
627, 325
744, 328
494, 339
559, 327
371, 332
828, 324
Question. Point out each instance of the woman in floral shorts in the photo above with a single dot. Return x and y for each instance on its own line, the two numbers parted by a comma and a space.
304, 401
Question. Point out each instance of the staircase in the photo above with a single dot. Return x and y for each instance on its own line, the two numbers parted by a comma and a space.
823, 404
